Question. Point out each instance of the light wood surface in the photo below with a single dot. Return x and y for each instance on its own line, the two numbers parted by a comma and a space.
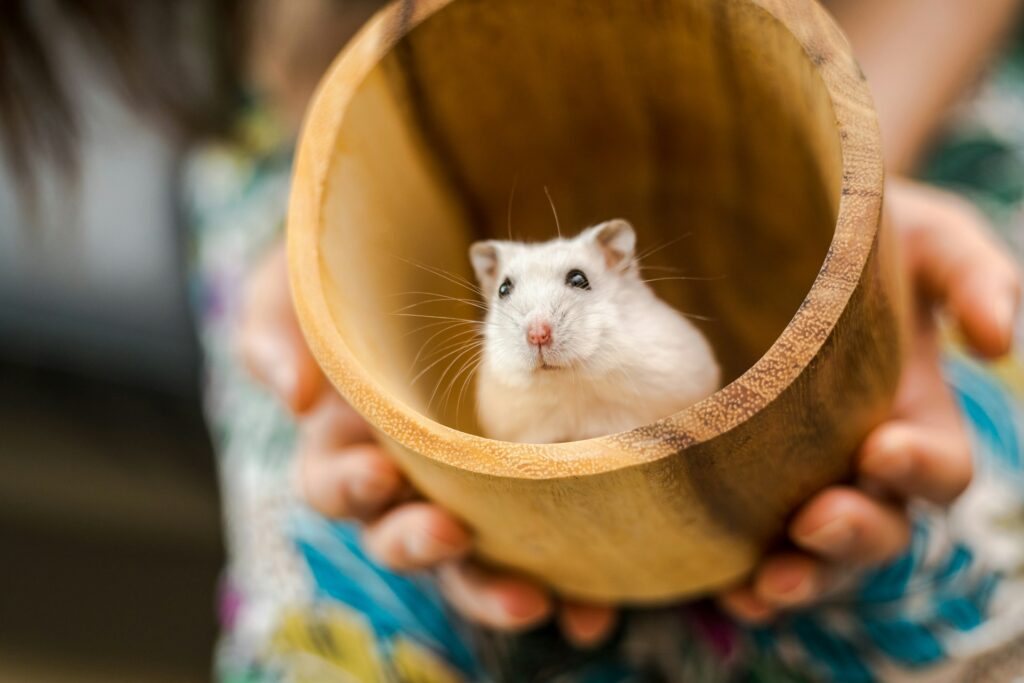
738, 137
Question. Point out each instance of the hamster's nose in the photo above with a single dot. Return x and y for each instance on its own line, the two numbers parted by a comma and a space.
539, 333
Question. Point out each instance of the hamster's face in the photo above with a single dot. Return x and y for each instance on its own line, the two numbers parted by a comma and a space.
550, 305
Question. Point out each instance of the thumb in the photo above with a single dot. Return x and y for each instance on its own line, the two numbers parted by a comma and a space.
955, 259
271, 342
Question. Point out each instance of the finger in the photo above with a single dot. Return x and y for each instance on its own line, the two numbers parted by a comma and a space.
923, 396
416, 536
496, 600
788, 579
985, 304
954, 257
843, 524
279, 360
271, 343
586, 625
356, 482
743, 604
332, 424
915, 460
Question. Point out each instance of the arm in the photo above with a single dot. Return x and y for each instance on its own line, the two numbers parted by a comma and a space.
919, 56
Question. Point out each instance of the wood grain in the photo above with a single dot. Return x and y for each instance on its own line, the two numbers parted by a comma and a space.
739, 138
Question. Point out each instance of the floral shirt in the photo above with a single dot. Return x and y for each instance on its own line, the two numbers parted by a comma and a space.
302, 602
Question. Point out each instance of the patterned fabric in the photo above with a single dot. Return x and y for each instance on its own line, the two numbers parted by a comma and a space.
955, 597
302, 602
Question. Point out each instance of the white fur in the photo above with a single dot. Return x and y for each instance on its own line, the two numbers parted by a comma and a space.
622, 357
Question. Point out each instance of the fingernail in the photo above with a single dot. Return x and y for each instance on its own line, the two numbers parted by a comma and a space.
791, 587
832, 538
523, 605
588, 633
426, 549
590, 626
891, 459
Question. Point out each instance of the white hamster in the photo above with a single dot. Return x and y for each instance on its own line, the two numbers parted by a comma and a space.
576, 344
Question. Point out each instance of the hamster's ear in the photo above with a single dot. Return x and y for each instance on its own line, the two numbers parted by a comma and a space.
484, 257
617, 241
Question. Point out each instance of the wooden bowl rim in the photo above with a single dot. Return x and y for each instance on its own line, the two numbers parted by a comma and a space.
858, 220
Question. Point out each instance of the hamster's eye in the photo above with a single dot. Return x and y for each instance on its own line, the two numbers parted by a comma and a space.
577, 279
505, 289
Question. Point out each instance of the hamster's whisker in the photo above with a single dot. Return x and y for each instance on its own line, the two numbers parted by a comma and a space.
455, 278
473, 365
443, 274
469, 363
650, 251
512, 305
451, 345
687, 278
500, 311
558, 226
438, 324
508, 316
695, 316
468, 349
667, 269
457, 331
434, 317
459, 349
460, 338
439, 295
424, 345
439, 299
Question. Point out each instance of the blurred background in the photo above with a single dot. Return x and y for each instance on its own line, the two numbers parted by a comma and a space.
109, 518
110, 526
110, 523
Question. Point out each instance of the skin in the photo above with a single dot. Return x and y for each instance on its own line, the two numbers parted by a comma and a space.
919, 57
922, 451
955, 267
293, 43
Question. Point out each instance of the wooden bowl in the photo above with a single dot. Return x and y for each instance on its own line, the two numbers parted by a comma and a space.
739, 138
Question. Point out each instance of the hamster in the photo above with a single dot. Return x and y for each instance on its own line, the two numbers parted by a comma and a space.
576, 345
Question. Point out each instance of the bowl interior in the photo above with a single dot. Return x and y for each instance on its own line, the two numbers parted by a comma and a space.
705, 124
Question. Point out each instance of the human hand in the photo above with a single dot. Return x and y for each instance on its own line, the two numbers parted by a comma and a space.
922, 450
344, 474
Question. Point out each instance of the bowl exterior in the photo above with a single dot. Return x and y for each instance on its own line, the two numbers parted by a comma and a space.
687, 504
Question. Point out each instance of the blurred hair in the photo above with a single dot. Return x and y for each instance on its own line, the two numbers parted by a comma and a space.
177, 60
